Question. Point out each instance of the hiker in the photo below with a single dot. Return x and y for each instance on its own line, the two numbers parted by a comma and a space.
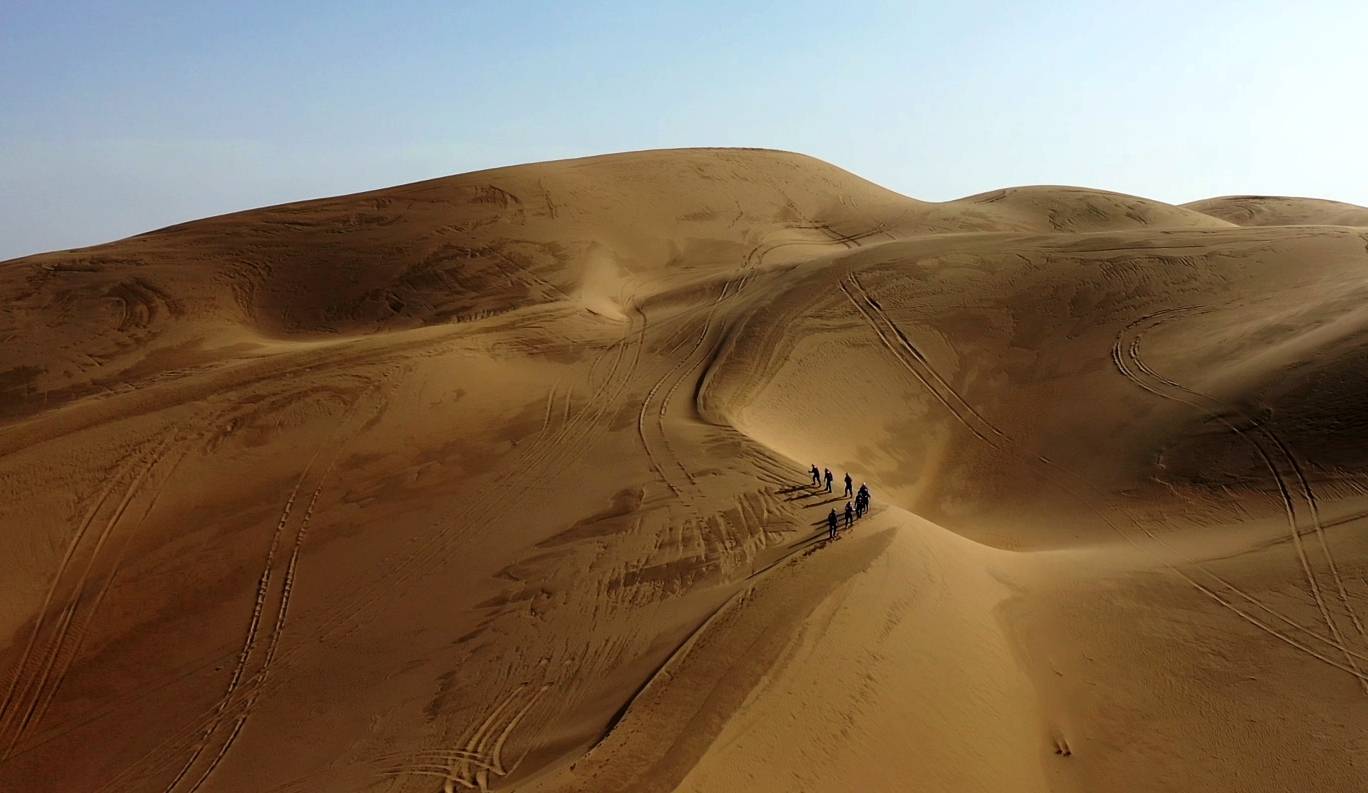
849, 515
831, 525
864, 494
859, 507
850, 488
829, 477
816, 477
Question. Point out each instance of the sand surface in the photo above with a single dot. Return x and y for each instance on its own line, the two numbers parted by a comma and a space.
498, 482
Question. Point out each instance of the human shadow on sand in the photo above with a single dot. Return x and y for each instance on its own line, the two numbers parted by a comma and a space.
828, 501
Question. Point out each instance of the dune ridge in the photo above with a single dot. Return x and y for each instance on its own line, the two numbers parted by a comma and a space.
1255, 210
497, 482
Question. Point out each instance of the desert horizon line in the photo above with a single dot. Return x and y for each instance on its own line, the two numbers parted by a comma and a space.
628, 153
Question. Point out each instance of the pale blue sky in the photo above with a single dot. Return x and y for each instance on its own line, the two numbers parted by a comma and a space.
117, 118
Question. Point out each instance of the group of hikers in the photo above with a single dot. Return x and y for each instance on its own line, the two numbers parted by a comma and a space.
853, 510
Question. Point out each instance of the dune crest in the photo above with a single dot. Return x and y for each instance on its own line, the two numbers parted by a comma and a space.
1254, 210
498, 482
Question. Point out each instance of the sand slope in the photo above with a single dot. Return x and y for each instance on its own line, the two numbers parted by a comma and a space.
497, 482
1254, 210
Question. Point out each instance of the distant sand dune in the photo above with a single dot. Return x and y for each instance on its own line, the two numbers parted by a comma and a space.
1253, 210
498, 481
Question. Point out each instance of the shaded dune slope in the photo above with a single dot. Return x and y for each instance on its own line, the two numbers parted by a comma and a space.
496, 481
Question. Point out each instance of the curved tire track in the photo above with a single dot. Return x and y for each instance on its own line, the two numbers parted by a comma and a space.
986, 432
1269, 447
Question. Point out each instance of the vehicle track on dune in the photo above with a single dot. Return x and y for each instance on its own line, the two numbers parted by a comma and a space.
651, 418
277, 631
57, 639
76, 640
1272, 451
755, 257
480, 755
239, 674
193, 751
11, 706
143, 476
567, 440
191, 758
243, 691
914, 362
983, 429
474, 762
995, 438
650, 423
545, 452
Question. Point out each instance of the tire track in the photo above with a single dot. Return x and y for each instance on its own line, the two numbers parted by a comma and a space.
681, 370
524, 470
1314, 506
1269, 448
550, 406
599, 402
916, 364
78, 640
27, 700
73, 625
278, 630
481, 754
247, 679
63, 729
1006, 443
692, 360
250, 640
7, 704
984, 424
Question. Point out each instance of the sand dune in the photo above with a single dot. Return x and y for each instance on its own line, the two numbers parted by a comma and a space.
497, 482
1258, 210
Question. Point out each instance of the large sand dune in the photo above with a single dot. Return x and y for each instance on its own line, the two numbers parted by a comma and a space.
498, 481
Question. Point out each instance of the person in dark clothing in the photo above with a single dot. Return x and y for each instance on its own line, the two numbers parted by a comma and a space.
816, 477
829, 478
831, 525
862, 501
849, 515
850, 486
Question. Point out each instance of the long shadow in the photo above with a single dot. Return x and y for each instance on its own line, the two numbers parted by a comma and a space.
803, 496
819, 537
806, 546
828, 501
816, 539
840, 517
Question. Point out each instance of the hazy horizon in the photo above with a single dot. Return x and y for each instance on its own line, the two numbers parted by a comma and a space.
118, 123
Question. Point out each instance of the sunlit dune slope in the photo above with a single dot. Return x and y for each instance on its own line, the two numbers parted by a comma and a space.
466, 247
1078, 209
498, 482
1256, 210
